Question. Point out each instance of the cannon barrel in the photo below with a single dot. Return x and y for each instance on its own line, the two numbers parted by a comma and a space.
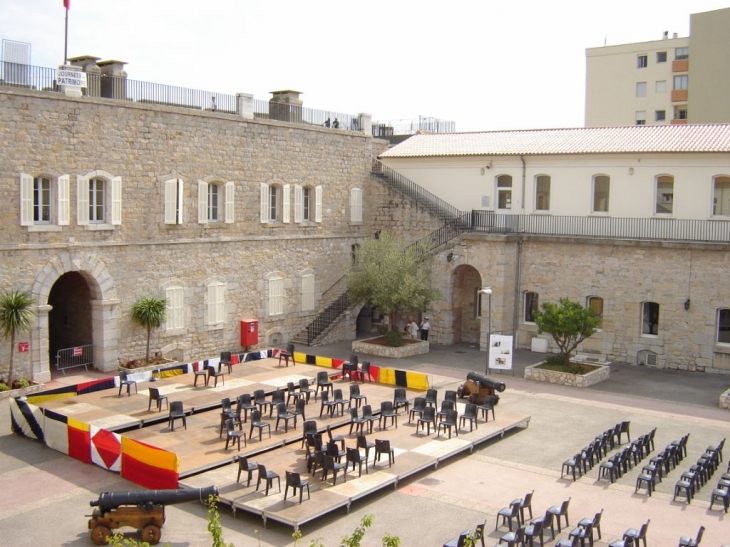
111, 500
486, 382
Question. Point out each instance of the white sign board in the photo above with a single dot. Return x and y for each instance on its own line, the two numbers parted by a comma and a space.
500, 352
72, 78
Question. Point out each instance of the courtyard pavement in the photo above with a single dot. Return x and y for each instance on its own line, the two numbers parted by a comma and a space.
45, 494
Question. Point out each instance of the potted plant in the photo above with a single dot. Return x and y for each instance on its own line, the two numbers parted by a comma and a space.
149, 312
16, 315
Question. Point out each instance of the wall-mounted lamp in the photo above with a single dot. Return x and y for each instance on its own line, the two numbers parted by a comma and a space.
488, 166
377, 234
686, 305
449, 257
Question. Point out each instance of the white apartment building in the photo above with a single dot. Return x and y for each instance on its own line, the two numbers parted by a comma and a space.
673, 80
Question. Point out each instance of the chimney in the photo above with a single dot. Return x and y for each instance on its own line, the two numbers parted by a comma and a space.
666, 35
675, 35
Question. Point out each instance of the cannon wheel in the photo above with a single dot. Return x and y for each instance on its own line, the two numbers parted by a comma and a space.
99, 535
151, 534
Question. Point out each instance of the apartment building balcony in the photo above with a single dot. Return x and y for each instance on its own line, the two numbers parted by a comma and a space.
681, 65
679, 95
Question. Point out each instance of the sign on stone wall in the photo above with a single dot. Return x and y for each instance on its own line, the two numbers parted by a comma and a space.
71, 78
23, 347
500, 352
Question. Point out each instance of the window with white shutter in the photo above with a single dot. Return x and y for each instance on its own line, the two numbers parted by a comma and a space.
230, 188
264, 202
276, 296
355, 205
116, 201
26, 200
215, 303
307, 292
175, 308
64, 208
82, 200
318, 204
298, 203
286, 204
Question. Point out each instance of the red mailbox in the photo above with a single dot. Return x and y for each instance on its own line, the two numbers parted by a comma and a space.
249, 332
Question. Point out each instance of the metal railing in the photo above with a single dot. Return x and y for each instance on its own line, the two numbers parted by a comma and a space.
327, 317
79, 356
27, 76
286, 112
670, 229
409, 127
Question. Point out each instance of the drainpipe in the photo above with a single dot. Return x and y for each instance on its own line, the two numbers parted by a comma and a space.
524, 177
518, 284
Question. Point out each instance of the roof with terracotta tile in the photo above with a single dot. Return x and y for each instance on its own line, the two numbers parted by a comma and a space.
582, 140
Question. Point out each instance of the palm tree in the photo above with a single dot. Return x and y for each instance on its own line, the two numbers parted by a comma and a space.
16, 315
149, 312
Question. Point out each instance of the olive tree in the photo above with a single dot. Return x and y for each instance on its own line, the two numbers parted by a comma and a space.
568, 323
149, 312
16, 315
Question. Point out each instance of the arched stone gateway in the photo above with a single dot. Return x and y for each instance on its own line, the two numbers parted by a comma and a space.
465, 282
99, 312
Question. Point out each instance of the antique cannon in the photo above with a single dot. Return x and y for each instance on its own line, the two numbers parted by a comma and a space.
144, 511
478, 386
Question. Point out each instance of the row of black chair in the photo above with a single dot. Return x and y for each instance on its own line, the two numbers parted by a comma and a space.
595, 451
536, 527
700, 473
620, 462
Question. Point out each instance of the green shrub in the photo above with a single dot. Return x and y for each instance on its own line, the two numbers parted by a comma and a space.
23, 383
4, 387
393, 338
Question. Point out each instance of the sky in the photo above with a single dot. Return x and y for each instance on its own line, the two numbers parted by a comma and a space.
484, 64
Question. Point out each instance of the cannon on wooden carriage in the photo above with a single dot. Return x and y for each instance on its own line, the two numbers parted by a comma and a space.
478, 387
144, 511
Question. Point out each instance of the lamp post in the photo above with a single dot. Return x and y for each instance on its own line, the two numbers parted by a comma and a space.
488, 292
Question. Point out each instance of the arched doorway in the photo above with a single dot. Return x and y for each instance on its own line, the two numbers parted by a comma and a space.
466, 281
69, 320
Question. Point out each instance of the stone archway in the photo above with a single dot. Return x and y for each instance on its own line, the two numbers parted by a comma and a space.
103, 303
465, 282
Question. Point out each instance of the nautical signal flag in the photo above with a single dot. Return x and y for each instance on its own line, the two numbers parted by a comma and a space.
67, 4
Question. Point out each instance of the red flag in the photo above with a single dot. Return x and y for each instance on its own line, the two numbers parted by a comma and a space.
67, 4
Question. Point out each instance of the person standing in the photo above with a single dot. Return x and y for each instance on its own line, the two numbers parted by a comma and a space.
413, 329
425, 327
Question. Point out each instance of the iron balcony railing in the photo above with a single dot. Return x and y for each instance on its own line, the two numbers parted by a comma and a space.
669, 229
410, 127
124, 89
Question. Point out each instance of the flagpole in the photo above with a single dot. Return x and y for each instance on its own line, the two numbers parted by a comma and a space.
65, 41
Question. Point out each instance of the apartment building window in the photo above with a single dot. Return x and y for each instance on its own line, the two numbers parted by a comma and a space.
504, 192
276, 296
641, 89
215, 303
650, 318
307, 204
41, 200
660, 86
723, 326
595, 304
542, 193
307, 292
642, 61
641, 117
660, 115
661, 56
680, 113
721, 196
175, 310
681, 82
531, 306
664, 195
275, 203
681, 53
355, 205
215, 202
601, 193
99, 200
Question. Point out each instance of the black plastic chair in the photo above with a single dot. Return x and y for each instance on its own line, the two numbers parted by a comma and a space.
125, 382
432, 397
524, 503
356, 395
449, 422
225, 361
583, 533
268, 477
213, 373
300, 409
277, 396
648, 479
635, 536
309, 430
355, 458
685, 541
177, 412
535, 530
304, 388
327, 404
571, 465
513, 539
446, 406
292, 393
559, 511
294, 480
686, 485
470, 414
248, 467
620, 429
201, 373
487, 406
428, 419
331, 464
283, 414
568, 542
367, 415
258, 423
383, 447
362, 442
339, 402
233, 435
387, 412
244, 405
356, 422
721, 494
419, 405
259, 399
450, 395
364, 372
335, 438
459, 541
507, 514
595, 523
158, 398
287, 354
400, 399
333, 449
324, 384
545, 522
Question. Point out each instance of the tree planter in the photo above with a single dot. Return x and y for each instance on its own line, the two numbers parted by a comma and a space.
533, 372
148, 368
376, 346
725, 400
33, 388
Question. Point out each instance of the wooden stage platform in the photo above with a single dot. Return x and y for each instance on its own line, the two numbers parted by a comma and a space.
204, 461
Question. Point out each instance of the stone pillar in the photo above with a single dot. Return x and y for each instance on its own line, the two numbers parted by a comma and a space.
286, 106
93, 73
244, 105
40, 363
105, 325
113, 79
365, 122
